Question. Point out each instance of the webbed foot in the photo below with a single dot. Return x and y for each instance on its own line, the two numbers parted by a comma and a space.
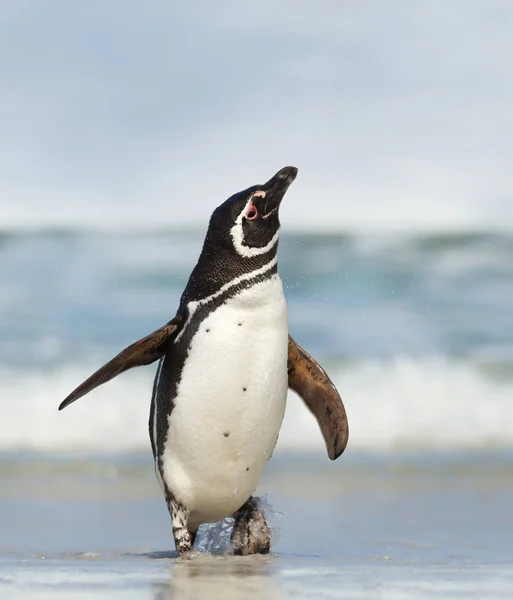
250, 531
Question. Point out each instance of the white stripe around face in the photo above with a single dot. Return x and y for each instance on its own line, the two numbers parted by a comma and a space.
238, 238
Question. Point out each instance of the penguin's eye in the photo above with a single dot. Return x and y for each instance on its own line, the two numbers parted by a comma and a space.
251, 212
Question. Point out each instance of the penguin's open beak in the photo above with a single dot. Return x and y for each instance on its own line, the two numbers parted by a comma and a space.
275, 189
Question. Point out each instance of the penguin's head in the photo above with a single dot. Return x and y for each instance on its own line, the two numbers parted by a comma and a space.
248, 220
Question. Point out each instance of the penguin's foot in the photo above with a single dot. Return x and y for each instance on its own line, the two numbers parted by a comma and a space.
183, 541
250, 532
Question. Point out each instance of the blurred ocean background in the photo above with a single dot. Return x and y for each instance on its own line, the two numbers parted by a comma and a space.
415, 330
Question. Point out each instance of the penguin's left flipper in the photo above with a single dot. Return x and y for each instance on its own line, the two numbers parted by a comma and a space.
143, 352
309, 380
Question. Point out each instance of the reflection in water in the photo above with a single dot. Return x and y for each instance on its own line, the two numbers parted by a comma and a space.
226, 577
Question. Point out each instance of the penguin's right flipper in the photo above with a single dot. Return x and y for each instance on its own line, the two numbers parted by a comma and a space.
143, 352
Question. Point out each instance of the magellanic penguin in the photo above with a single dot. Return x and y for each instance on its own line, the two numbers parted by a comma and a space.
225, 363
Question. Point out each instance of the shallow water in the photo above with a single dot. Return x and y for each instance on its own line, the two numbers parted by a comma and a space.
394, 526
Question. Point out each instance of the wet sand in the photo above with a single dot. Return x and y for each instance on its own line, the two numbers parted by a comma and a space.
394, 526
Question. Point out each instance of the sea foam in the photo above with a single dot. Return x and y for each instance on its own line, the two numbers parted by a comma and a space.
394, 404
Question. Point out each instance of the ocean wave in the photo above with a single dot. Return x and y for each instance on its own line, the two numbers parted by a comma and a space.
414, 329
66, 293
434, 403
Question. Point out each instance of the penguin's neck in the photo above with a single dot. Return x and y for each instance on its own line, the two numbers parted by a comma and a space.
219, 266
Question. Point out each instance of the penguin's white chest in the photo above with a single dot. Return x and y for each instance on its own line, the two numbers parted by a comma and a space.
230, 403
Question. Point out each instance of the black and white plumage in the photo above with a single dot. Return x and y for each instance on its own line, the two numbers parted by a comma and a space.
226, 362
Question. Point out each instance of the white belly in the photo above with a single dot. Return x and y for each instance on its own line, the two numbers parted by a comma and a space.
230, 404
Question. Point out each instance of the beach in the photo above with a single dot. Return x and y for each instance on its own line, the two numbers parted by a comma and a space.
395, 526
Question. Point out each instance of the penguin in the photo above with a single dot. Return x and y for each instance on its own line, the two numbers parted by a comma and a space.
225, 363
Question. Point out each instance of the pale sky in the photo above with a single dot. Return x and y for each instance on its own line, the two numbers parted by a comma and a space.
398, 114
